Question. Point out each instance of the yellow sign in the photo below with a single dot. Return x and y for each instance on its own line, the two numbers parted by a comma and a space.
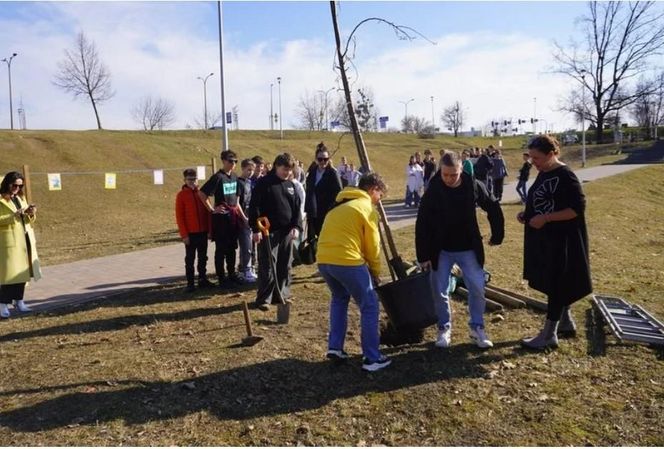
110, 181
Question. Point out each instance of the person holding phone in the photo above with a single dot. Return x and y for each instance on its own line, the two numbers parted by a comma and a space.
18, 251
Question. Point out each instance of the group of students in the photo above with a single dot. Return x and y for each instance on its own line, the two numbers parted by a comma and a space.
447, 232
487, 166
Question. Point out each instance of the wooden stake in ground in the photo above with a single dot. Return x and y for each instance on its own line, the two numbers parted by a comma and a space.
250, 339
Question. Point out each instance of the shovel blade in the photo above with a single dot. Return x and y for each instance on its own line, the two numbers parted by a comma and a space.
251, 340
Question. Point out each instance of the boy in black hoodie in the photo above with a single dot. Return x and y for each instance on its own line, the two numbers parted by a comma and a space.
274, 197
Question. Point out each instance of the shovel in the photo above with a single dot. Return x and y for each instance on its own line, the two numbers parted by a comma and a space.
283, 307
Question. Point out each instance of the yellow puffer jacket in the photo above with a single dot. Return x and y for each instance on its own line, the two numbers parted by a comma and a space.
350, 233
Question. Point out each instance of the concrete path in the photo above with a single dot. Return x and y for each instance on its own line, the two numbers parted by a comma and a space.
86, 280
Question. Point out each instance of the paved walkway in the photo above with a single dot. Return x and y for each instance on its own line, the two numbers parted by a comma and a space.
98, 278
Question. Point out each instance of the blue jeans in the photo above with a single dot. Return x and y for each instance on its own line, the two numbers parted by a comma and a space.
412, 197
521, 190
246, 250
344, 282
473, 278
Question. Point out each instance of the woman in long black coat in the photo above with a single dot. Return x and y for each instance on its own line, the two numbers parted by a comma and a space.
322, 186
555, 260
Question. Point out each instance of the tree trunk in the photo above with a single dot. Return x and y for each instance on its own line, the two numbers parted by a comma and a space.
94, 106
395, 260
599, 132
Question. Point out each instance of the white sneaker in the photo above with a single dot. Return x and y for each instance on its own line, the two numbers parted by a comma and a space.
444, 339
22, 306
249, 276
478, 335
4, 311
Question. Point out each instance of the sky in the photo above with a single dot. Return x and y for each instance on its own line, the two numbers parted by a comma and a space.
493, 57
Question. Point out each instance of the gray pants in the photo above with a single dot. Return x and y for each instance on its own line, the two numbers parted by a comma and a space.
246, 250
282, 254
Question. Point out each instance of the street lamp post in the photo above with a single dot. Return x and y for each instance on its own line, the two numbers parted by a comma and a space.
583, 117
327, 118
9, 71
433, 119
224, 135
205, 114
281, 128
534, 115
271, 109
405, 103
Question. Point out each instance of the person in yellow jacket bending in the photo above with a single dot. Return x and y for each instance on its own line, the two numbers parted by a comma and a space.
348, 260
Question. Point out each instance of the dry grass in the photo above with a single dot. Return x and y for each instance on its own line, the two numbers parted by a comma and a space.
158, 367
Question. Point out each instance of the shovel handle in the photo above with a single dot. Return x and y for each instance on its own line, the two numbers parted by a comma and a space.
263, 225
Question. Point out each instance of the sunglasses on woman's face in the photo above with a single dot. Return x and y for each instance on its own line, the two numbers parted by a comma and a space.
17, 186
323, 159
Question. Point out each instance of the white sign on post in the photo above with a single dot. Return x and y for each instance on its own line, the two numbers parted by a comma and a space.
158, 176
500, 144
200, 172
54, 181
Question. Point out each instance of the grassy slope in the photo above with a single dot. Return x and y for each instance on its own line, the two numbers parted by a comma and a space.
162, 368
85, 220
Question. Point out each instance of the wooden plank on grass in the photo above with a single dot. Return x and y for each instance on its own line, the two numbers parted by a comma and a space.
503, 298
491, 305
532, 302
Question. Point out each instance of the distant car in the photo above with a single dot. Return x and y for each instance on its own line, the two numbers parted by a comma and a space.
569, 139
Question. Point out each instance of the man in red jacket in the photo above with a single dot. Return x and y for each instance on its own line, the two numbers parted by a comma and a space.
193, 221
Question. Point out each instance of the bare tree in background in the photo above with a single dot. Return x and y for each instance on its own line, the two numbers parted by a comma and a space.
408, 124
153, 113
620, 40
310, 112
453, 117
83, 74
213, 117
648, 110
365, 110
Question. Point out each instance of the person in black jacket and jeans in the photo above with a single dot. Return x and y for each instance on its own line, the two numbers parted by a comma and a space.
274, 197
322, 186
447, 232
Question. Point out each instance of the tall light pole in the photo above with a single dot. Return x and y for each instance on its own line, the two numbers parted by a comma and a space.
9, 71
583, 117
224, 136
205, 114
271, 109
281, 129
534, 115
327, 118
405, 103
433, 119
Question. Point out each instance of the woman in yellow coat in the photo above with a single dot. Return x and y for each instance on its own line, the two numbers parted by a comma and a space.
18, 253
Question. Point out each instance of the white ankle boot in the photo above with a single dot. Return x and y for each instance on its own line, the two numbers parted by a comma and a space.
547, 337
21, 306
4, 311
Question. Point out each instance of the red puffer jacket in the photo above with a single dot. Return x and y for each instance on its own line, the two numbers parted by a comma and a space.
190, 213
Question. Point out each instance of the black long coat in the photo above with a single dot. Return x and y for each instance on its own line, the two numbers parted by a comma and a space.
430, 224
556, 257
320, 197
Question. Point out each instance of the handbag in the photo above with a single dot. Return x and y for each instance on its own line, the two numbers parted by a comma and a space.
307, 250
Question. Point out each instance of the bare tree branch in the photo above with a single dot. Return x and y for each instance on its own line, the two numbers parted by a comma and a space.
453, 117
83, 74
621, 41
153, 113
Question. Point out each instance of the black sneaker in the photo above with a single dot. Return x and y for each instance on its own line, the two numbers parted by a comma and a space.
337, 355
234, 278
190, 288
204, 283
379, 364
265, 307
